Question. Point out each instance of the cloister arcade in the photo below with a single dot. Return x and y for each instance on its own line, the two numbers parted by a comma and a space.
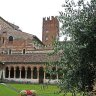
35, 74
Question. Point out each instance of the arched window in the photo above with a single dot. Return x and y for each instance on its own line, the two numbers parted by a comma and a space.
9, 51
10, 38
23, 51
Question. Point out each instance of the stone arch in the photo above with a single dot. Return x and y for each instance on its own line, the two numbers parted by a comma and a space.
29, 73
23, 72
41, 74
53, 73
35, 73
6, 72
17, 72
47, 73
47, 76
60, 73
12, 72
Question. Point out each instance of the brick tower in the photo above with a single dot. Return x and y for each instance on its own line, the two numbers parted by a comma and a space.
50, 30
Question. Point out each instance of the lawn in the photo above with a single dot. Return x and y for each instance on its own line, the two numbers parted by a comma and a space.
50, 90
42, 90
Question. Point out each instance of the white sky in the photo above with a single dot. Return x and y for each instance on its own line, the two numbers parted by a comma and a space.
28, 14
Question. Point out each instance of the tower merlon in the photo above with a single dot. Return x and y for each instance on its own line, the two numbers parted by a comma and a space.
49, 18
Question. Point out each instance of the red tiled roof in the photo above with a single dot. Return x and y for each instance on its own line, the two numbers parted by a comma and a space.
34, 57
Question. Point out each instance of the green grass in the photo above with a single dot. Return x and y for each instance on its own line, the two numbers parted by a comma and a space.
4, 91
51, 90
47, 91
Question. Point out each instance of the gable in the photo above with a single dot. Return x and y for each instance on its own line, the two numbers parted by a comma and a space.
4, 25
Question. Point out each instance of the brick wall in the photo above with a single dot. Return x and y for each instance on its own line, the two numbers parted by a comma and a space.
50, 30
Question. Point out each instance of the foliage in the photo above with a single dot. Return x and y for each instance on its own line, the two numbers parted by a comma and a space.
78, 60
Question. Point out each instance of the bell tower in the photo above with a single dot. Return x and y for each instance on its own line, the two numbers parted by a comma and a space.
50, 30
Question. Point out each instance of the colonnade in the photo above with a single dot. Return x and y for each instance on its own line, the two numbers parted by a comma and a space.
35, 72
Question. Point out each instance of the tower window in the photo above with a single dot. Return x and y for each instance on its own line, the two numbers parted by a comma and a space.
10, 38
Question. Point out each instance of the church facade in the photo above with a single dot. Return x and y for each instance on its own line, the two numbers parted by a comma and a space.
23, 56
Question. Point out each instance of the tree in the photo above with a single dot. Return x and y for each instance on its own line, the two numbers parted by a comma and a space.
78, 60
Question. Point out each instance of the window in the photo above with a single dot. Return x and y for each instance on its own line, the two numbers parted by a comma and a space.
9, 51
10, 38
23, 51
3, 39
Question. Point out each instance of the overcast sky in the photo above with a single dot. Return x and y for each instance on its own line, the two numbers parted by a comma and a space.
28, 14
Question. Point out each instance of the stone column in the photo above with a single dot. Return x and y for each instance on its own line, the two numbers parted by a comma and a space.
26, 73
32, 73
44, 73
20, 73
57, 72
38, 73
3, 72
14, 73
9, 73
57, 76
44, 76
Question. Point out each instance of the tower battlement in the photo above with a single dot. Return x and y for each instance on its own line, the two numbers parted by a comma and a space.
49, 18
